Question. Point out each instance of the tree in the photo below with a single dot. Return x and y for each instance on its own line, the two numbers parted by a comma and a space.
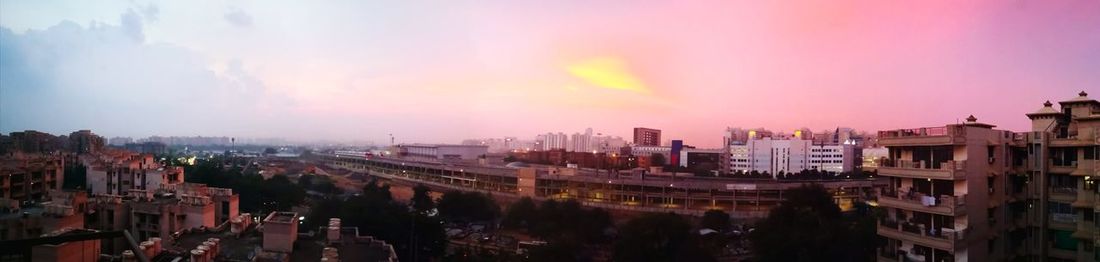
374, 191
716, 220
270, 151
807, 226
76, 176
421, 200
520, 214
657, 159
306, 181
468, 206
658, 237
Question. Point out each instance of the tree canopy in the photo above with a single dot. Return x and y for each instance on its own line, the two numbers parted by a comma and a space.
657, 159
468, 206
421, 201
658, 237
808, 226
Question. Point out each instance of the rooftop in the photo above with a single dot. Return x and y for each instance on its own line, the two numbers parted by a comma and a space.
282, 217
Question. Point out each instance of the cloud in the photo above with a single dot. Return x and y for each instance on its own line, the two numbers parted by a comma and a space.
238, 17
150, 12
132, 25
607, 72
104, 77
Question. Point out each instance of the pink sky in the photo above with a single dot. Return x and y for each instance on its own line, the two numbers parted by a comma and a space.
441, 73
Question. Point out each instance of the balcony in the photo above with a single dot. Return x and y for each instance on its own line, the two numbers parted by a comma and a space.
943, 239
888, 254
1061, 167
1063, 221
944, 205
1085, 199
925, 136
1074, 139
948, 170
1086, 168
1085, 230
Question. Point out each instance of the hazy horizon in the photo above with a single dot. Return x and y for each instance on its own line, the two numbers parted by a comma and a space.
446, 71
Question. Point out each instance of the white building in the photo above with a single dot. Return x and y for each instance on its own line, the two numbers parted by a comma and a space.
551, 141
791, 154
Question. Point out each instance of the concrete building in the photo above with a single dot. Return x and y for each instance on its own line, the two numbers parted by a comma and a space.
647, 136
648, 151
551, 141
31, 142
30, 176
442, 152
116, 172
637, 190
280, 231
581, 142
968, 192
941, 201
75, 251
764, 151
693, 158
119, 141
873, 156
84, 141
63, 210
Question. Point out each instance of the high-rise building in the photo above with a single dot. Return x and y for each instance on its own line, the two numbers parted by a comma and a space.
647, 136
84, 141
968, 192
550, 141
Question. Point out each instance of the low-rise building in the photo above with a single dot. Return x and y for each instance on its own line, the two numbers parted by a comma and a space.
280, 231
442, 151
30, 176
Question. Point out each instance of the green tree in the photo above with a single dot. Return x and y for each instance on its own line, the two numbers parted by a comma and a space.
421, 200
657, 159
76, 176
468, 206
807, 226
375, 191
520, 214
716, 219
306, 181
658, 237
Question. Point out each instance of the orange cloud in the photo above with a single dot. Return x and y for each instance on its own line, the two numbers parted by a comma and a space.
607, 72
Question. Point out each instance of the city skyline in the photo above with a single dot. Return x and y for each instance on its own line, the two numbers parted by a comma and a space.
248, 69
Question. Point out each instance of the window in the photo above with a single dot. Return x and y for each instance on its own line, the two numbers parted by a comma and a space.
1090, 152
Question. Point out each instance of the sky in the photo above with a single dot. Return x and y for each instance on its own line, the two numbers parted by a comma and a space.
443, 71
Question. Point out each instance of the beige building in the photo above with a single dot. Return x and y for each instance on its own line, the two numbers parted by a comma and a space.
280, 232
969, 192
30, 176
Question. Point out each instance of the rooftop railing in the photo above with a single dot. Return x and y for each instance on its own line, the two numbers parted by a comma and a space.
954, 130
945, 165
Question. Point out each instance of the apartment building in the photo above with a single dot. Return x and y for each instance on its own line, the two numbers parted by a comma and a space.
969, 192
116, 172
30, 176
647, 136
61, 210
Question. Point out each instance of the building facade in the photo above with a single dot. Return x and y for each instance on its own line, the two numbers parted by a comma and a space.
30, 176
443, 152
969, 192
647, 136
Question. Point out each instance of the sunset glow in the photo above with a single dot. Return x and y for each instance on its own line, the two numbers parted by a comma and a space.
690, 68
